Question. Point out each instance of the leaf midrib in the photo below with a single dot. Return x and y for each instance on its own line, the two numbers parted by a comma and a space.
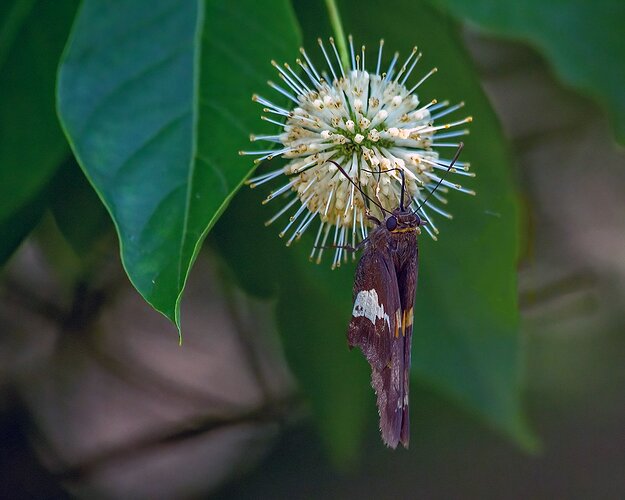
197, 60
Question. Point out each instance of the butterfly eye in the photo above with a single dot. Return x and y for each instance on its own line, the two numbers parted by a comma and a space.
391, 223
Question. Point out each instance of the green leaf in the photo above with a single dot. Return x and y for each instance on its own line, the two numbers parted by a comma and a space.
582, 40
155, 100
32, 35
466, 341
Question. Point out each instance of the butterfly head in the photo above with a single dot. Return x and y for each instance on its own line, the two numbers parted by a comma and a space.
402, 221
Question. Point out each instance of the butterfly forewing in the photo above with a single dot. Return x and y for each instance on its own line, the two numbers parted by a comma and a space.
383, 298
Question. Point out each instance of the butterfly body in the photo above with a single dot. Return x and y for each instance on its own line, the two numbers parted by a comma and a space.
382, 317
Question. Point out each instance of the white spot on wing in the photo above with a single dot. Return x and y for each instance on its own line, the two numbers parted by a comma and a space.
367, 305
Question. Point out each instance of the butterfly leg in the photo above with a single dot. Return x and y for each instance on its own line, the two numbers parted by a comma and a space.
349, 248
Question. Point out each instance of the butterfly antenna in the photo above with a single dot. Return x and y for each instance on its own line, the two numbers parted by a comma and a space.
403, 190
451, 164
358, 187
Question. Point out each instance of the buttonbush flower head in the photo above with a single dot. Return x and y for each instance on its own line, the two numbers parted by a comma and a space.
370, 122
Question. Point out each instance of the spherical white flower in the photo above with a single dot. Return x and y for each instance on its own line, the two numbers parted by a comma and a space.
371, 124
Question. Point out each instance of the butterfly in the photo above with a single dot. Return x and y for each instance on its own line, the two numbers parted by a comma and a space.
382, 316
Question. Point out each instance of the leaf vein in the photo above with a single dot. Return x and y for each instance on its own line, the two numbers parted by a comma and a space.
124, 84
166, 126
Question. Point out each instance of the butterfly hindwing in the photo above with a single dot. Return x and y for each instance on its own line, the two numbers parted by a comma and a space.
407, 281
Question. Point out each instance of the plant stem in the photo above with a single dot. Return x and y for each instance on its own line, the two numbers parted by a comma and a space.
337, 27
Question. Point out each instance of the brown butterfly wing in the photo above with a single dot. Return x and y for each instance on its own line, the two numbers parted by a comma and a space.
374, 328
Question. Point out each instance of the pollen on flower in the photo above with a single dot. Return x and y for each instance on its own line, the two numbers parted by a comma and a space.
373, 124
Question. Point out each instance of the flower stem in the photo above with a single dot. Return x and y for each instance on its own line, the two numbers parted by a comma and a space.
339, 34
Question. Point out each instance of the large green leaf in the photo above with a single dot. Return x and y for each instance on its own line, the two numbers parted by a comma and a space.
582, 40
154, 97
32, 35
466, 340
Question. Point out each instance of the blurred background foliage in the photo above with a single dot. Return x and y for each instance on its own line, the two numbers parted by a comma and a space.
132, 133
